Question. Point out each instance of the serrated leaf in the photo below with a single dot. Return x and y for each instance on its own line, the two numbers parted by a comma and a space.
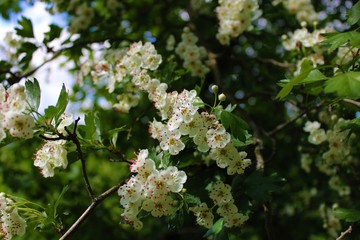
259, 187
345, 85
354, 14
25, 29
235, 124
306, 68
54, 112
33, 92
334, 40
346, 214
114, 134
314, 76
54, 32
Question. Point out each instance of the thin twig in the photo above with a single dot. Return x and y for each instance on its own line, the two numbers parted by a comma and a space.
284, 125
352, 102
89, 210
73, 137
345, 233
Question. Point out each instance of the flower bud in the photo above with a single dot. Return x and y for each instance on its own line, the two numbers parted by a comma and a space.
222, 97
215, 88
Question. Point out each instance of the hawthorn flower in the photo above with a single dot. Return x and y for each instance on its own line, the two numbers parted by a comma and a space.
131, 191
159, 207
238, 164
11, 223
223, 156
235, 220
174, 178
170, 141
221, 193
204, 216
217, 137
50, 156
19, 124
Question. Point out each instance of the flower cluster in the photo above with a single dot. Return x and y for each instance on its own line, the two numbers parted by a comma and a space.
13, 113
307, 42
84, 14
151, 190
303, 9
53, 153
338, 151
11, 223
221, 196
130, 73
235, 17
330, 222
192, 54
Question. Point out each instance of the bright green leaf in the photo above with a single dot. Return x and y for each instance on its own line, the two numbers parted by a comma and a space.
334, 40
349, 215
92, 125
25, 29
33, 93
52, 112
216, 228
346, 85
354, 14
306, 68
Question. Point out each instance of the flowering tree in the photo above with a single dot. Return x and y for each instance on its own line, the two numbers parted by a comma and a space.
229, 119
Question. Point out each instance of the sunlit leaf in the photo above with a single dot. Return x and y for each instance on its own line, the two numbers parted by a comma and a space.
345, 85
354, 14
348, 215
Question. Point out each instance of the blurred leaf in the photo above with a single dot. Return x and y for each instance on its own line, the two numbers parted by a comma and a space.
236, 125
354, 14
352, 125
306, 68
25, 29
216, 228
26, 50
334, 40
259, 187
33, 92
346, 85
53, 33
346, 214
114, 134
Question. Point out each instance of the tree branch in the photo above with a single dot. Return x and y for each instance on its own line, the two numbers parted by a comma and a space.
89, 210
73, 137
345, 233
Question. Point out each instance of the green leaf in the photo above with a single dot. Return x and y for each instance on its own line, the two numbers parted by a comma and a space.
354, 14
114, 134
92, 126
314, 76
306, 68
55, 112
352, 125
235, 124
334, 40
346, 214
215, 229
53, 33
259, 187
33, 92
346, 85
27, 49
25, 29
